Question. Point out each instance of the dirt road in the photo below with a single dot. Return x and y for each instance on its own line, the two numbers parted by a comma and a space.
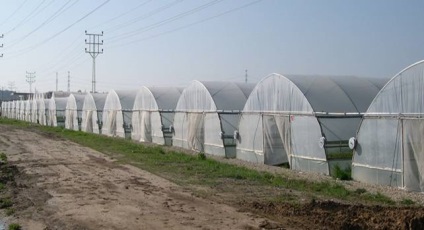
66, 186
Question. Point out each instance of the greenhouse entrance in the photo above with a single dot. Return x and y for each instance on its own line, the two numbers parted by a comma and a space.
143, 124
196, 131
413, 153
89, 120
277, 141
111, 125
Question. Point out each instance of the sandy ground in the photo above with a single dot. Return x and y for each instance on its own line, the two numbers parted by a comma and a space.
66, 186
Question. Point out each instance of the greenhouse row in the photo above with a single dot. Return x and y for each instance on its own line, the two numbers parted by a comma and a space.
307, 123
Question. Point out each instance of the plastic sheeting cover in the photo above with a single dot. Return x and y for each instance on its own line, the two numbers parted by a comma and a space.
197, 123
56, 110
297, 97
34, 110
147, 121
41, 110
404, 93
117, 112
390, 147
73, 111
212, 96
92, 112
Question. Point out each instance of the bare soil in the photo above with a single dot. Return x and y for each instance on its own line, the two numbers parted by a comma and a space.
61, 185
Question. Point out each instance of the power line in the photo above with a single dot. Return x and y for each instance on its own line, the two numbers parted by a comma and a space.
142, 17
166, 21
14, 12
189, 25
28, 49
60, 11
33, 13
73, 56
123, 14
64, 55
94, 50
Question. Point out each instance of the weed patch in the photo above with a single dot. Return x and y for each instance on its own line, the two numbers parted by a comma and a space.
407, 202
342, 174
3, 158
5, 203
14, 226
378, 198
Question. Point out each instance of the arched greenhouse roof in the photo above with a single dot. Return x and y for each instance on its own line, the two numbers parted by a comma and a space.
404, 93
120, 100
154, 98
315, 93
94, 101
58, 103
75, 101
214, 95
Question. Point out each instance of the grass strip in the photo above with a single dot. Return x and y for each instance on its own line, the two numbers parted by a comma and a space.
183, 168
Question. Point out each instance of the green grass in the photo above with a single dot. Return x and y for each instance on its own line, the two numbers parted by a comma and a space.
14, 226
407, 202
5, 203
378, 198
3, 157
186, 169
342, 174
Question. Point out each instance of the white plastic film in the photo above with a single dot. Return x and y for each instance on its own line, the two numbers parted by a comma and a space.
413, 146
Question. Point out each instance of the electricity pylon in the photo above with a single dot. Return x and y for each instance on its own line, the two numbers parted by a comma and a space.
30, 78
94, 50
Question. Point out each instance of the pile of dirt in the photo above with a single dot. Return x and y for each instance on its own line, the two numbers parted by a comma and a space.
334, 215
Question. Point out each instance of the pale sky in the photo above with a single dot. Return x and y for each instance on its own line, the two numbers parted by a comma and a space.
172, 42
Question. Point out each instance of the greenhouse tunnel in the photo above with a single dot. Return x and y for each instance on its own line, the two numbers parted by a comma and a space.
56, 110
73, 112
92, 112
34, 110
153, 114
41, 109
21, 110
117, 113
28, 110
5, 106
207, 115
303, 121
390, 146
14, 110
